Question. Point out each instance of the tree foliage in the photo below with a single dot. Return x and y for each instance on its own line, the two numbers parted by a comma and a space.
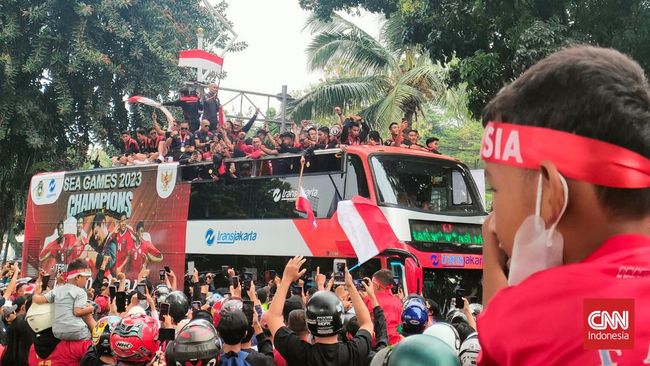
382, 83
65, 67
497, 40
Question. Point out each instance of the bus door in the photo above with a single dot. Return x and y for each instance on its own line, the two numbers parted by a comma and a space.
408, 271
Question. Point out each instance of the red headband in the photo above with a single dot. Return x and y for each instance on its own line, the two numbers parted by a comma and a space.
77, 272
576, 157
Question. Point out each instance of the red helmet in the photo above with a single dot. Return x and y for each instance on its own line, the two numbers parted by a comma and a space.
135, 339
224, 306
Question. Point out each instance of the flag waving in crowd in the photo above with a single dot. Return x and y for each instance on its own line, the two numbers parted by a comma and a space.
302, 201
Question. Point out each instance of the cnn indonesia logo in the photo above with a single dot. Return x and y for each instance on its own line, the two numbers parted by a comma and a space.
609, 324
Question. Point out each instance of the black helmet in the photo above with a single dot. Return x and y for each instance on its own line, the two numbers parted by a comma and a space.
179, 305
197, 341
101, 335
324, 314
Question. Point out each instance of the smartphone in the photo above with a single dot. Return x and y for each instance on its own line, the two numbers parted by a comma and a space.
111, 291
162, 274
248, 308
248, 279
120, 301
163, 310
340, 267
190, 268
196, 305
339, 278
166, 334
395, 288
459, 302
46, 281
358, 285
141, 288
167, 269
234, 281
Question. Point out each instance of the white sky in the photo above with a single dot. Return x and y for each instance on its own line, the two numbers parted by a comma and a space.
275, 55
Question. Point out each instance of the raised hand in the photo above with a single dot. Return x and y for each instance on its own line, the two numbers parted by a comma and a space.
292, 270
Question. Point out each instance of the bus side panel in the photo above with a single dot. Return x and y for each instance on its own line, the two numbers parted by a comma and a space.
63, 208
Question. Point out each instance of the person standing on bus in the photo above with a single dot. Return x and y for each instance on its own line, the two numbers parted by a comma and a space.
355, 131
382, 283
237, 127
211, 106
566, 147
203, 137
106, 245
182, 144
191, 106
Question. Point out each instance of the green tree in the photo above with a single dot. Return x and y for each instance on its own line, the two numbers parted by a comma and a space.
497, 40
385, 84
65, 67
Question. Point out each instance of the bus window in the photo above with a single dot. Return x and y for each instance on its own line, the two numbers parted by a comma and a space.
356, 183
423, 184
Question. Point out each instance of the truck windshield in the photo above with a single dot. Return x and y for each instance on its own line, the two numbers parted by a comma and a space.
423, 184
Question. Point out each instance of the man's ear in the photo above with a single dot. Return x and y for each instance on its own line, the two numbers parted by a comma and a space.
553, 193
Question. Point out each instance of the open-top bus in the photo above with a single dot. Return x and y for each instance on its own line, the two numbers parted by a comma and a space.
170, 216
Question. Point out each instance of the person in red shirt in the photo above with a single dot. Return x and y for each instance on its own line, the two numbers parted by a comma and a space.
382, 282
56, 251
125, 239
566, 147
142, 252
78, 246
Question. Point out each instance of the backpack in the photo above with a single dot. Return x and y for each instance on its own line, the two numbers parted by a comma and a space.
234, 359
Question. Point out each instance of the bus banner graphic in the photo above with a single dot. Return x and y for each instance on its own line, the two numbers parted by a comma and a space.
111, 214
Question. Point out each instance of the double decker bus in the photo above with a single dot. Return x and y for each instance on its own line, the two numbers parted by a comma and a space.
168, 214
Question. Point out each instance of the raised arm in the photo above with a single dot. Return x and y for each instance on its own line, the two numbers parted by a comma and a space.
291, 273
360, 309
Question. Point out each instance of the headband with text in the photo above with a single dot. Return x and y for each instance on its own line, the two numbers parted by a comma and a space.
576, 157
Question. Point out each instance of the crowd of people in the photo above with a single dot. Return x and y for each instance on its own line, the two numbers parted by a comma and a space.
222, 318
200, 137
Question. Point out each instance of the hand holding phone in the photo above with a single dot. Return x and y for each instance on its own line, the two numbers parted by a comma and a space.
45, 281
248, 309
112, 290
196, 305
141, 288
120, 301
163, 310
162, 274
235, 281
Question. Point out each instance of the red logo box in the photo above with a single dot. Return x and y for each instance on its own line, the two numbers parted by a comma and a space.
608, 323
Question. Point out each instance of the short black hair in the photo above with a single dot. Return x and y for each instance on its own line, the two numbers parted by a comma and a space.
292, 303
384, 276
262, 294
232, 327
392, 124
592, 92
125, 133
324, 129
414, 130
312, 128
374, 135
431, 139
311, 291
98, 220
297, 321
78, 264
352, 327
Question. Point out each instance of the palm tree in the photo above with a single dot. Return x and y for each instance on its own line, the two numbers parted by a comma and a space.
383, 80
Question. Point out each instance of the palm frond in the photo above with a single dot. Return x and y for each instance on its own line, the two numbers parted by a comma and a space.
352, 50
427, 78
321, 99
393, 32
393, 106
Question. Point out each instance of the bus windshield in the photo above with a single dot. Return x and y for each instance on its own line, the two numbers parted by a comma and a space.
422, 184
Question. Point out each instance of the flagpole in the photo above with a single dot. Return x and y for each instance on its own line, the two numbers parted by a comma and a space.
302, 168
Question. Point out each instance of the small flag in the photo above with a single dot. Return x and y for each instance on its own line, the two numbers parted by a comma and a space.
366, 227
200, 59
303, 204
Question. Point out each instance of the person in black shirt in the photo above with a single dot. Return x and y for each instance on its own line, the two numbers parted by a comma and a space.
129, 148
203, 137
432, 144
237, 126
233, 328
191, 106
324, 321
288, 165
182, 144
211, 106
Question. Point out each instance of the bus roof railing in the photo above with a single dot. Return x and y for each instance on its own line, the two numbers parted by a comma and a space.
282, 156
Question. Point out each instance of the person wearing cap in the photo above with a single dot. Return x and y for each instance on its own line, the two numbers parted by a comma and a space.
324, 315
567, 147
72, 313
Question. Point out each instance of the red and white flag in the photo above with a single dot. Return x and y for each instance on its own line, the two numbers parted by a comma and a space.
150, 102
200, 59
366, 227
303, 204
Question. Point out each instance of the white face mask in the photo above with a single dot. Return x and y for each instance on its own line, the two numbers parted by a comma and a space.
535, 247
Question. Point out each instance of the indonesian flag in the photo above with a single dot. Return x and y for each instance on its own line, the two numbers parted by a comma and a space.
200, 59
303, 205
150, 102
366, 227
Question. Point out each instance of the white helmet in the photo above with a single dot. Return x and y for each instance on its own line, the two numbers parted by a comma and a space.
476, 309
469, 350
40, 316
445, 332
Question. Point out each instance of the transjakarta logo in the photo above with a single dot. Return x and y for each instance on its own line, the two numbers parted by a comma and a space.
51, 188
228, 237
291, 194
609, 323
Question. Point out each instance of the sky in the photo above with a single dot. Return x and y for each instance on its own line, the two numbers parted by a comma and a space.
275, 55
